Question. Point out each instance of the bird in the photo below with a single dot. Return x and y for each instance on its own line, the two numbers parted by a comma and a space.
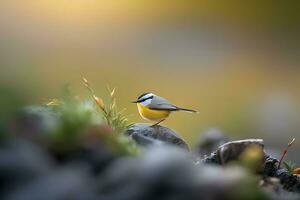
155, 108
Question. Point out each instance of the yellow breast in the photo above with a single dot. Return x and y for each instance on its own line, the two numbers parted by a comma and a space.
153, 115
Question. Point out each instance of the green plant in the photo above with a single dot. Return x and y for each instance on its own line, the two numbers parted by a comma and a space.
114, 118
285, 151
289, 166
78, 119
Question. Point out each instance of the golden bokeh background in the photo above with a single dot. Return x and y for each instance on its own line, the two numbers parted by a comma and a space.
235, 62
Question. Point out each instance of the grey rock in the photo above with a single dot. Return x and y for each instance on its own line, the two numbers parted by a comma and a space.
165, 173
275, 190
21, 154
271, 166
65, 183
97, 158
35, 122
209, 141
231, 151
162, 172
145, 134
288, 180
20, 163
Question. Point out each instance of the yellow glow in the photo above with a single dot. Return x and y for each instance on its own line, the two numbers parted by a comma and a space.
72, 10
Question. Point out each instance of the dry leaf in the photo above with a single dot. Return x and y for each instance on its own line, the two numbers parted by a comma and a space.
296, 171
99, 102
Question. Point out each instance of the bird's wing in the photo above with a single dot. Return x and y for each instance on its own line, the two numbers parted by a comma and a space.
159, 103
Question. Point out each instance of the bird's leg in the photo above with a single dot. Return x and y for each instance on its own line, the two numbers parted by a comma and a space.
158, 123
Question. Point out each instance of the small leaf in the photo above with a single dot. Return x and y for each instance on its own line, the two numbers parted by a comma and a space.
99, 102
288, 166
112, 92
291, 142
85, 81
296, 171
54, 102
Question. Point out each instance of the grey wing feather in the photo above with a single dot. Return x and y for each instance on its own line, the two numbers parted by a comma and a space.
159, 103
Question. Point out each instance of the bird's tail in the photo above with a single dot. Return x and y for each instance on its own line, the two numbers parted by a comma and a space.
187, 110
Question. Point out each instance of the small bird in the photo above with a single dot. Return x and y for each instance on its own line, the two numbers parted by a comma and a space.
155, 108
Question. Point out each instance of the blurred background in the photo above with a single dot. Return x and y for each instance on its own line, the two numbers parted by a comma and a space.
235, 62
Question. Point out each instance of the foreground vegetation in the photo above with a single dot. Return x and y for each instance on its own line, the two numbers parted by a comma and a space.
73, 148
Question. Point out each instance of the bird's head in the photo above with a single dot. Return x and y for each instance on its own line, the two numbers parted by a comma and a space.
144, 98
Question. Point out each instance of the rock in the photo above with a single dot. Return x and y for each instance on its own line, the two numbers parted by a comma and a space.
270, 184
231, 151
233, 182
65, 183
165, 172
209, 141
92, 149
289, 181
145, 134
20, 163
162, 172
275, 190
35, 122
271, 166
96, 158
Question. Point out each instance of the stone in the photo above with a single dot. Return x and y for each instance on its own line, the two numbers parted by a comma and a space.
209, 141
166, 172
231, 151
145, 134
35, 122
20, 163
271, 166
289, 181
64, 183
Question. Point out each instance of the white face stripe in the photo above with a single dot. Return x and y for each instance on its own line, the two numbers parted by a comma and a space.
147, 96
147, 102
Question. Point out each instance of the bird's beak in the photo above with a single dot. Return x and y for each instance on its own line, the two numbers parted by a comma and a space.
134, 102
